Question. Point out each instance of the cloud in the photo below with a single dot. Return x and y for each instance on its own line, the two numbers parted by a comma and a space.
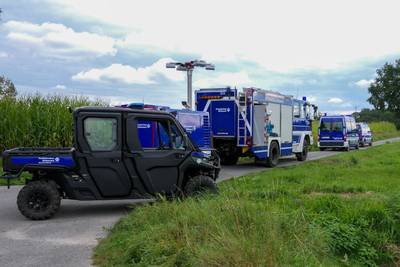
3, 55
344, 112
312, 99
130, 75
364, 83
335, 100
58, 40
225, 79
277, 35
60, 87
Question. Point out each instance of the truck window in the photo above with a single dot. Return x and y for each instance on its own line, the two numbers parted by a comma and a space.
157, 135
101, 133
296, 110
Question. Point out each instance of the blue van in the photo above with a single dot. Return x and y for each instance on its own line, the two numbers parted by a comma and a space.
338, 132
364, 134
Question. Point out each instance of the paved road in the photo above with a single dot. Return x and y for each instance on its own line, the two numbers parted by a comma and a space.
68, 238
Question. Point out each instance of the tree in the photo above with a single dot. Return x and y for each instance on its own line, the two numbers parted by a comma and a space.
385, 90
7, 88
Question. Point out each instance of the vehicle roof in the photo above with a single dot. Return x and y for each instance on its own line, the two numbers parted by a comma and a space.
118, 109
336, 116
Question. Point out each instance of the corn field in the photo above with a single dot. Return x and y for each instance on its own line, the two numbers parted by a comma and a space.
35, 120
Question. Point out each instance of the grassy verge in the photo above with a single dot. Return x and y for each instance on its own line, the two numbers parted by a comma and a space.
342, 210
383, 130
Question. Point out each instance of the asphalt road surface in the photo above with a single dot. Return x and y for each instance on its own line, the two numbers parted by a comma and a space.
69, 238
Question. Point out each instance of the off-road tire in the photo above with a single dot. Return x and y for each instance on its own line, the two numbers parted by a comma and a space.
198, 185
303, 155
274, 154
39, 200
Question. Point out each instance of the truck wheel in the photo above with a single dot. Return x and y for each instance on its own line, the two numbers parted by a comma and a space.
39, 200
273, 158
199, 185
303, 155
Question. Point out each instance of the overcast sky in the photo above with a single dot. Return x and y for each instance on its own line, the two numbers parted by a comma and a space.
117, 50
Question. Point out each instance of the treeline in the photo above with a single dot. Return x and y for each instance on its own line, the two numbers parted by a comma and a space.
36, 120
373, 115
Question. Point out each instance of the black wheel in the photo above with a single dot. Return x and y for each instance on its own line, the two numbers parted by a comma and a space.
347, 149
303, 155
273, 158
357, 147
322, 149
229, 159
39, 200
199, 185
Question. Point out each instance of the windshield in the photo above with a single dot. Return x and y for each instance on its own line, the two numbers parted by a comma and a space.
331, 125
189, 122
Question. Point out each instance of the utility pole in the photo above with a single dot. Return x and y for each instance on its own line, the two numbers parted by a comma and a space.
189, 67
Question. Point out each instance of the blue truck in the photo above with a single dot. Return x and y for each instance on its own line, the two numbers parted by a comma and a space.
254, 122
338, 132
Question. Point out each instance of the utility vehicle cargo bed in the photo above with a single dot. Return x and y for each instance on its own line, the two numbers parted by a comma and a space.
30, 158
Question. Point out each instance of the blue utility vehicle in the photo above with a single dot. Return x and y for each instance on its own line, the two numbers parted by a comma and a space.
111, 159
337, 132
364, 134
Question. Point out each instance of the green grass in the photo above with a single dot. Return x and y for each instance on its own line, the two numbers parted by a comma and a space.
383, 130
339, 211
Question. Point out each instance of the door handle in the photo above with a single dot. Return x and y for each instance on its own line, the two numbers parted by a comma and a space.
115, 160
179, 155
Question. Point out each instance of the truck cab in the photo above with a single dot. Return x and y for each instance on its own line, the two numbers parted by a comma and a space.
302, 127
112, 158
337, 132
